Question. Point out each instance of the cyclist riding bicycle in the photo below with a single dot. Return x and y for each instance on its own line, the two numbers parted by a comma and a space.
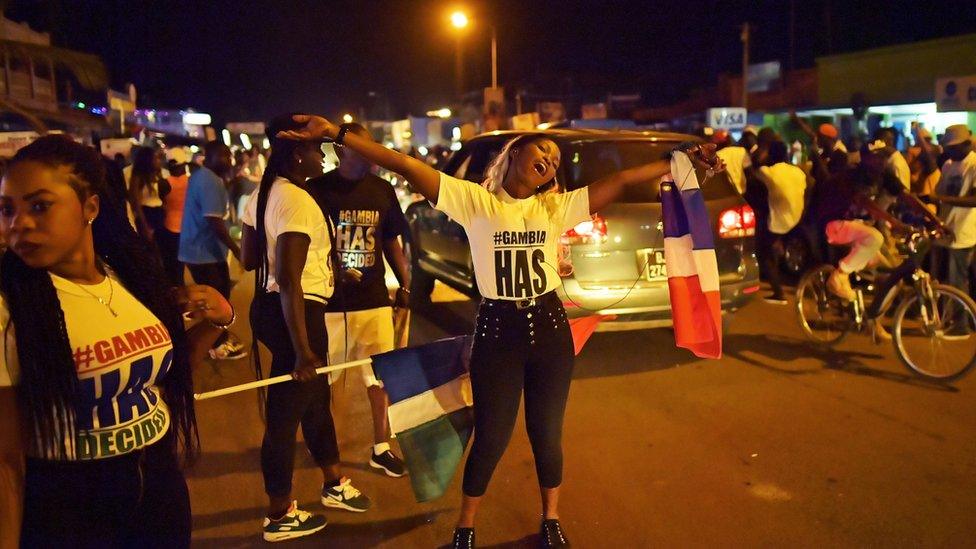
846, 209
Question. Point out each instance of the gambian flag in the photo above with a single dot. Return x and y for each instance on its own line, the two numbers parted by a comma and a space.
430, 409
689, 253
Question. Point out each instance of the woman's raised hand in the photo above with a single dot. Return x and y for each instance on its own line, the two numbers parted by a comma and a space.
703, 157
316, 128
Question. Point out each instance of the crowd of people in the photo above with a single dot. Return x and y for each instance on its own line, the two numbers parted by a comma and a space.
860, 196
117, 281
102, 326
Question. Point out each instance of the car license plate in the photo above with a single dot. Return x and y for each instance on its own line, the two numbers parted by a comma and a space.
650, 262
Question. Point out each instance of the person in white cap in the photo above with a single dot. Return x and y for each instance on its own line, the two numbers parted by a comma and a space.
895, 163
956, 196
168, 236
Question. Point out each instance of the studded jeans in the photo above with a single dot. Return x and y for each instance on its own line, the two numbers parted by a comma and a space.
528, 348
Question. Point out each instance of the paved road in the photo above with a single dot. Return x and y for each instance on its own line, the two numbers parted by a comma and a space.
777, 444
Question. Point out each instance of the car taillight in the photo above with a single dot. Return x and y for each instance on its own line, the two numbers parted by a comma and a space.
737, 222
593, 231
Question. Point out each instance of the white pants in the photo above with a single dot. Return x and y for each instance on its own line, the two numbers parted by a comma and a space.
368, 332
864, 239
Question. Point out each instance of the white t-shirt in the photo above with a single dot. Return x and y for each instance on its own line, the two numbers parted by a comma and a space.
959, 179
787, 185
291, 209
736, 160
118, 359
514, 243
898, 166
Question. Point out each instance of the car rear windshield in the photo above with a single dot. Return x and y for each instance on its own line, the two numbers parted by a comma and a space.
586, 162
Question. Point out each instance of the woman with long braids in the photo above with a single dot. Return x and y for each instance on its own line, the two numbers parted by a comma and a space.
522, 340
288, 240
95, 362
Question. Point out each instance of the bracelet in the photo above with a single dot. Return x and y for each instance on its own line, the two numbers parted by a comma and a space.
404, 290
225, 327
341, 135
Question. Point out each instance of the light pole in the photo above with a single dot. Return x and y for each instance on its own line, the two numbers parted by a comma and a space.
460, 20
744, 36
494, 58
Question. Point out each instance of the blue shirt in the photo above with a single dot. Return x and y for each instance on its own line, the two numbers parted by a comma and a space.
206, 196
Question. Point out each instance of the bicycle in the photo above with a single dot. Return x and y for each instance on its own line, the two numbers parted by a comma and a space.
933, 325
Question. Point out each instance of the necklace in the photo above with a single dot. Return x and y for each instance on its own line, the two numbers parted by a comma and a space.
111, 294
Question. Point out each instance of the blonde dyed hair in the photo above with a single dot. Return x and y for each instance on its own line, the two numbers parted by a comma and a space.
498, 169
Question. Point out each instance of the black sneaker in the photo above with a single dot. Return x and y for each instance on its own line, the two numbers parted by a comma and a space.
552, 534
463, 538
345, 496
228, 350
294, 524
389, 463
776, 299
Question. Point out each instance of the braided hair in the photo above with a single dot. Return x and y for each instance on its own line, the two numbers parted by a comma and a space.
48, 386
281, 152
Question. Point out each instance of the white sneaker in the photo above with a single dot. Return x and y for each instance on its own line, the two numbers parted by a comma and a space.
839, 284
228, 350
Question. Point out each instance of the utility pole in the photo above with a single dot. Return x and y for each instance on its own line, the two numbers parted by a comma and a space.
792, 34
745, 64
494, 58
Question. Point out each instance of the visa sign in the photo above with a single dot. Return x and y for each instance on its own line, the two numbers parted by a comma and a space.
726, 118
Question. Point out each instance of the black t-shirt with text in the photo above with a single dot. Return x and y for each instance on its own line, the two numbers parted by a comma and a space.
366, 214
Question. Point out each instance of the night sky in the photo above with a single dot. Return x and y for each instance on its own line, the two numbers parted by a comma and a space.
249, 60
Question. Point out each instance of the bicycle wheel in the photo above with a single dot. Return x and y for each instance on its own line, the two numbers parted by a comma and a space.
824, 317
938, 340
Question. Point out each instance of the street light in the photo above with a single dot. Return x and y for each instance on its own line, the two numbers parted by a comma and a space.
460, 21
347, 118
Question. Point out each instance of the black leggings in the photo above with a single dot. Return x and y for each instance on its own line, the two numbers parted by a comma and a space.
138, 499
513, 349
292, 403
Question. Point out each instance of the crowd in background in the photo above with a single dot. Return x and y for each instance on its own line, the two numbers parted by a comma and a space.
188, 205
789, 185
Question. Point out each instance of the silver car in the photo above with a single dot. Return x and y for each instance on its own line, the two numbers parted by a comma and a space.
613, 264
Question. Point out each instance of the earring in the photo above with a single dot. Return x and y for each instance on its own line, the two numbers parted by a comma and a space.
90, 221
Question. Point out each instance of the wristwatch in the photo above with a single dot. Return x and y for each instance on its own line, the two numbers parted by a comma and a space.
342, 134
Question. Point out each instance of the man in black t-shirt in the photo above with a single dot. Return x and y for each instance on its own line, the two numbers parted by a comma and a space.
368, 223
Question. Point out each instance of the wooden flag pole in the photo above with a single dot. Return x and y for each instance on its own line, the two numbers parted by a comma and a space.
277, 379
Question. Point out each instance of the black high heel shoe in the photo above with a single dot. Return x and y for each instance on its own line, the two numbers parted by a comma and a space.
552, 534
463, 538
